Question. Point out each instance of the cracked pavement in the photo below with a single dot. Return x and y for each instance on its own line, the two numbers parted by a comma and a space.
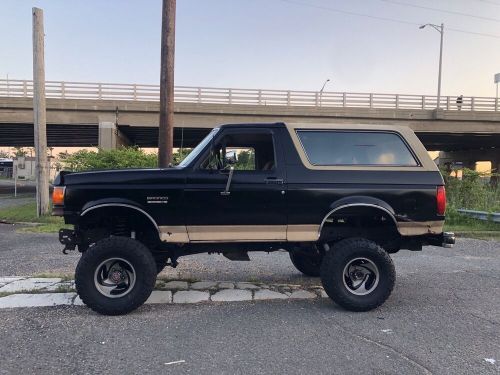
443, 318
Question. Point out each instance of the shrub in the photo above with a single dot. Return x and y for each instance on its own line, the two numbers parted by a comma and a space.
472, 192
125, 157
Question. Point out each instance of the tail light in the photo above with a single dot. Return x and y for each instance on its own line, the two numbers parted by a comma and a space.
58, 195
441, 200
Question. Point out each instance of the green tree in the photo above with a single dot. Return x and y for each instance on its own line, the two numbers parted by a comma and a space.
4, 154
125, 157
20, 152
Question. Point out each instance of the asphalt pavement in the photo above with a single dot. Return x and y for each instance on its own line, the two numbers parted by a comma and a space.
443, 317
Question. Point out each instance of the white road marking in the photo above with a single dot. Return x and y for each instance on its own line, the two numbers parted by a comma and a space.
490, 360
175, 362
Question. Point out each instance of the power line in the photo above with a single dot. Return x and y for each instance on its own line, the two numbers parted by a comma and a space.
387, 19
489, 2
441, 10
349, 12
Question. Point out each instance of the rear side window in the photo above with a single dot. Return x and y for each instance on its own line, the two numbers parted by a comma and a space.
355, 148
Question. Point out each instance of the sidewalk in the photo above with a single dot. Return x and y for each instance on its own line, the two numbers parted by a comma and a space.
16, 291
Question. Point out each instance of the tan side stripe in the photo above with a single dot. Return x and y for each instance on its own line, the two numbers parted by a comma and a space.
302, 232
218, 233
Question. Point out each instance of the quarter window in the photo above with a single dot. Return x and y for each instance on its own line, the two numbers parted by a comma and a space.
355, 148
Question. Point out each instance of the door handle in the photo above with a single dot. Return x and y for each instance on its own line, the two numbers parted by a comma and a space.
274, 180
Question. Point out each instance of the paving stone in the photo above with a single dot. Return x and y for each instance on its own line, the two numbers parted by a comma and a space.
37, 300
246, 286
177, 285
203, 285
78, 301
322, 293
229, 295
226, 285
9, 279
160, 296
302, 294
191, 296
29, 284
268, 294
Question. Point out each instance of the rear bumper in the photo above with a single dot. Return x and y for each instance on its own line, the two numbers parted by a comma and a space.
445, 239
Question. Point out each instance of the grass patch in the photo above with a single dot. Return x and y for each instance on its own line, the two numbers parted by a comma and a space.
465, 226
54, 275
27, 213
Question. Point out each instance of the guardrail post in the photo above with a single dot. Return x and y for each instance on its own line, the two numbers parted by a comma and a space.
260, 97
397, 101
199, 94
371, 100
316, 99
230, 96
25, 89
99, 92
423, 101
135, 91
344, 99
496, 104
288, 98
63, 90
447, 103
472, 103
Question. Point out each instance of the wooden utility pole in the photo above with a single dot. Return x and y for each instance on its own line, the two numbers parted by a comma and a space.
39, 115
166, 131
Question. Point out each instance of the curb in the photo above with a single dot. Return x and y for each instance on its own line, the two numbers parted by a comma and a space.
44, 292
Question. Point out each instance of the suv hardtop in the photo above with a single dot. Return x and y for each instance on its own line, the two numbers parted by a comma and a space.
338, 197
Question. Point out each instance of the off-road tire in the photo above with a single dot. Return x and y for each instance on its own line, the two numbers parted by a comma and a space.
125, 248
332, 278
161, 261
308, 265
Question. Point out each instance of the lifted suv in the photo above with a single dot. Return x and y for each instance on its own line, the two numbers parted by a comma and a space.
338, 198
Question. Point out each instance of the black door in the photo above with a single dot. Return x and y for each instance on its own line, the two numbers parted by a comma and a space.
252, 207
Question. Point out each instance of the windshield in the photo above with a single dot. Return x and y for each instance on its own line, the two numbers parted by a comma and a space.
193, 154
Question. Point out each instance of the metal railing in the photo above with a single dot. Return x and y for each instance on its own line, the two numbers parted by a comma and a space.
481, 215
212, 95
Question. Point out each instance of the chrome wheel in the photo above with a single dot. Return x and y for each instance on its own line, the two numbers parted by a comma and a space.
114, 278
361, 276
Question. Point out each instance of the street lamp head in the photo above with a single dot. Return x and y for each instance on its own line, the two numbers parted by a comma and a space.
422, 27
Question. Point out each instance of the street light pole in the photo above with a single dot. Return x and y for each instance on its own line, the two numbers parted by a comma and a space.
321, 91
440, 29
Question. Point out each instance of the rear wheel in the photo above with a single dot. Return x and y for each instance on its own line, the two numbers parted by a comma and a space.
358, 274
115, 276
309, 265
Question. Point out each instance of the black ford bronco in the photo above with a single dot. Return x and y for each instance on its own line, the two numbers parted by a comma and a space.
339, 198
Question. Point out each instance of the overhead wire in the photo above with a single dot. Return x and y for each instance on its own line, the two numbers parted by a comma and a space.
387, 19
441, 10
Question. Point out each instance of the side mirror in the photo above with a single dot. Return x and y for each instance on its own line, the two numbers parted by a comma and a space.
231, 158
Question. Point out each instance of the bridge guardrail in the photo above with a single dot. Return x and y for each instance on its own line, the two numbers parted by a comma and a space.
481, 215
213, 95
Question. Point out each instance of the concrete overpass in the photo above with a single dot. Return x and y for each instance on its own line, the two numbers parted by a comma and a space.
109, 115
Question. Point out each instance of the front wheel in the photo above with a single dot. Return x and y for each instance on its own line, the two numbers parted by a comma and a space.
358, 274
115, 276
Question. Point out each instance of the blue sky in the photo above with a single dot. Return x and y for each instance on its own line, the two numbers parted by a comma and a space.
292, 44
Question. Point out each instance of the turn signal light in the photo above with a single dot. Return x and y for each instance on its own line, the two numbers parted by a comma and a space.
441, 200
58, 195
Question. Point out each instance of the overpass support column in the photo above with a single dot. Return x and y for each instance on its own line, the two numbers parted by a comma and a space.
495, 168
110, 136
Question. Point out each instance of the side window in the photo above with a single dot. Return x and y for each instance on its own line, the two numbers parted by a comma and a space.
244, 151
355, 148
